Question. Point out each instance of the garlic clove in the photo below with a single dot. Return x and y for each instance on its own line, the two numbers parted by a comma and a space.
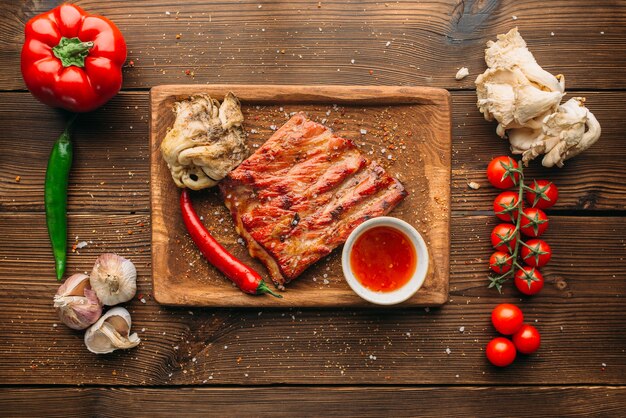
76, 303
111, 332
114, 279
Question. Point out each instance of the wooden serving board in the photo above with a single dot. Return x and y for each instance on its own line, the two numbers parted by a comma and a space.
406, 129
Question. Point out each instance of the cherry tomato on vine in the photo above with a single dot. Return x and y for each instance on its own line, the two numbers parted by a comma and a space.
534, 222
527, 340
543, 194
501, 352
499, 172
529, 280
507, 318
536, 252
505, 206
504, 237
500, 262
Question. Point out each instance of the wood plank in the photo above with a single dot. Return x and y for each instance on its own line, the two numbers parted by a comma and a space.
590, 181
111, 161
423, 113
579, 314
409, 43
110, 171
309, 401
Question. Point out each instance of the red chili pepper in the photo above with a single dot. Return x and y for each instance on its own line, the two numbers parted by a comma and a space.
248, 280
71, 59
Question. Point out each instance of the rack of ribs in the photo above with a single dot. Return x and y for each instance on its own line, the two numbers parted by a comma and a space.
300, 195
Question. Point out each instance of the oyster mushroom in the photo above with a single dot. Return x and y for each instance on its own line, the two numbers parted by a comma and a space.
510, 51
524, 99
509, 97
206, 142
111, 332
566, 133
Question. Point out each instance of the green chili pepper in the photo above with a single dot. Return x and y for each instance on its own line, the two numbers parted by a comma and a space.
55, 197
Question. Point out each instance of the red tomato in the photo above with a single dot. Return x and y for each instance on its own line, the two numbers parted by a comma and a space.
534, 222
538, 254
499, 172
505, 205
501, 352
527, 340
507, 318
504, 237
528, 280
500, 262
543, 194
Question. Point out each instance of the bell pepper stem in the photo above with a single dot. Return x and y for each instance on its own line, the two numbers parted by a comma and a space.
72, 51
263, 288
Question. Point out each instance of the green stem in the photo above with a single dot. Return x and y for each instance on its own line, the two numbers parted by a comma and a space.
72, 51
518, 241
263, 288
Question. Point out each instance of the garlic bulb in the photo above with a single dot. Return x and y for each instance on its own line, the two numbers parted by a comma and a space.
111, 332
114, 279
76, 303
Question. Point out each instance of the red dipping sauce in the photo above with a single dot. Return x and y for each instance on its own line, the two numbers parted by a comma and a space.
383, 259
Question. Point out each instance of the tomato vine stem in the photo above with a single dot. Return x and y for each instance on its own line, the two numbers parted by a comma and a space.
516, 235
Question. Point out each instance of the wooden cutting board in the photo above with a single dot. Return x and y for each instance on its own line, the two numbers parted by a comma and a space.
406, 129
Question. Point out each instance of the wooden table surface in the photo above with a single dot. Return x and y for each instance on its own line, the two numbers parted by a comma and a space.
305, 362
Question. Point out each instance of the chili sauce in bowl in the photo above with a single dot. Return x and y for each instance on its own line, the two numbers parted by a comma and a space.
385, 260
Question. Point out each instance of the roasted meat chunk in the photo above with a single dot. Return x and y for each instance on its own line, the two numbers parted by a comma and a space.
301, 194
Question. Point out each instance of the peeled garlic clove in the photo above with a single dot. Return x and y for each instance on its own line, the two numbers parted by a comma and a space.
114, 279
76, 303
111, 332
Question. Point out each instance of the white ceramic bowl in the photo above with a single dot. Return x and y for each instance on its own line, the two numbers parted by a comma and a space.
414, 283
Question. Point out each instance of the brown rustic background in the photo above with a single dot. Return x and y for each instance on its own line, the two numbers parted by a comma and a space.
301, 362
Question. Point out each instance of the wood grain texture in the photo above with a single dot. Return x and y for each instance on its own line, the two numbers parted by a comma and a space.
297, 42
473, 401
408, 121
579, 314
111, 165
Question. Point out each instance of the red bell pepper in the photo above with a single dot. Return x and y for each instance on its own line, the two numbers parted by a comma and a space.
73, 60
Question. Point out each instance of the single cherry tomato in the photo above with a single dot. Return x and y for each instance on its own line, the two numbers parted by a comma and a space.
527, 339
543, 194
536, 252
500, 262
504, 237
529, 280
501, 352
534, 222
505, 206
500, 174
507, 318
